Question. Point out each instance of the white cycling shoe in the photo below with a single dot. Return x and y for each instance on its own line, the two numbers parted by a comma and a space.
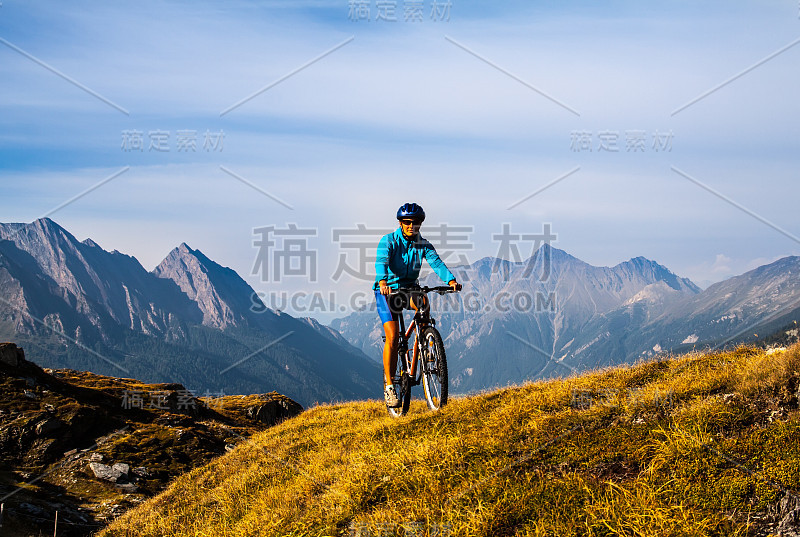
390, 395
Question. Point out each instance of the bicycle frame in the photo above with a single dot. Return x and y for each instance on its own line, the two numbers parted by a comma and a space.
422, 319
402, 349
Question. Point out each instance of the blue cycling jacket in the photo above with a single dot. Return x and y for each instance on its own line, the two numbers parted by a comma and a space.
399, 260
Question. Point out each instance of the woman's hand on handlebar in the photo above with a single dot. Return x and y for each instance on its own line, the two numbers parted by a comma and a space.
385, 289
454, 285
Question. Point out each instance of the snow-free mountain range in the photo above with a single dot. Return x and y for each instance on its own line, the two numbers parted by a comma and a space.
71, 304
190, 320
571, 316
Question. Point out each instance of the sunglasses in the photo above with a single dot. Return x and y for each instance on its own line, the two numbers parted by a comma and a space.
410, 222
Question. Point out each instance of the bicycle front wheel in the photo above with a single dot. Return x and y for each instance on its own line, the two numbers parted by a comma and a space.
434, 368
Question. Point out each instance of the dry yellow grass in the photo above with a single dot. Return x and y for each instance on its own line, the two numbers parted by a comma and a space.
687, 446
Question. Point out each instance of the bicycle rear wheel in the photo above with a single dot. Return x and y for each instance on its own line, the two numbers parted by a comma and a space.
434, 368
402, 384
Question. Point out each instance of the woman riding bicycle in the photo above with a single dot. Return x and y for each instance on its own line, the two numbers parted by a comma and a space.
397, 265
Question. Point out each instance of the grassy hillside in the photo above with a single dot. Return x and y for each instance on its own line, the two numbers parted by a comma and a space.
696, 445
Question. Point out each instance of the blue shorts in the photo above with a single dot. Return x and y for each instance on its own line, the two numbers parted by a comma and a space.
390, 310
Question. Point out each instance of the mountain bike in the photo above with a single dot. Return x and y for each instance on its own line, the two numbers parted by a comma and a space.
425, 362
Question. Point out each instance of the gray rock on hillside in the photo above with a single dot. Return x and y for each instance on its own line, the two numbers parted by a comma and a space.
274, 411
117, 473
11, 355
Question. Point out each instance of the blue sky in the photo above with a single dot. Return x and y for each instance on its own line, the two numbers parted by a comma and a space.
448, 113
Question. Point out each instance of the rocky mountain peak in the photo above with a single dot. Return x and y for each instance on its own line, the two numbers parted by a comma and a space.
655, 272
96, 289
77, 304
218, 291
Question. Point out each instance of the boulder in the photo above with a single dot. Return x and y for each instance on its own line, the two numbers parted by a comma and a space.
106, 473
121, 467
117, 473
274, 411
11, 355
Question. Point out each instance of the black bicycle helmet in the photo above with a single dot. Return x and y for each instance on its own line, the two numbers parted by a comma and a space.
411, 211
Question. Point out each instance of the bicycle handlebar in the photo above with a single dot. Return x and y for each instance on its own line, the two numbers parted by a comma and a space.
442, 289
